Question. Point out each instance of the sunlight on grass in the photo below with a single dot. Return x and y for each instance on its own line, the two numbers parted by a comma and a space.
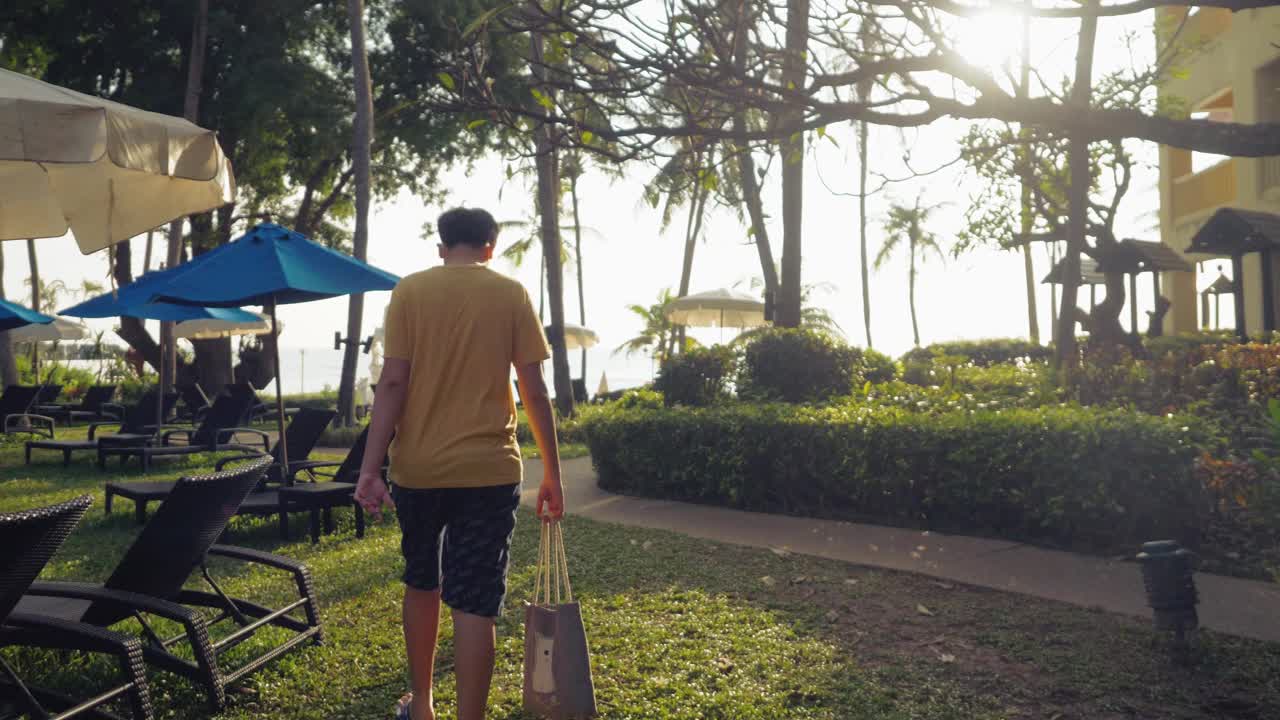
679, 629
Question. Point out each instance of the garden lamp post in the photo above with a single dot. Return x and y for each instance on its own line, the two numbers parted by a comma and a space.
1171, 589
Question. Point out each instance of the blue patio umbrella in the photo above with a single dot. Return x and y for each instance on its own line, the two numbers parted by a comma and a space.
270, 265
134, 300
16, 316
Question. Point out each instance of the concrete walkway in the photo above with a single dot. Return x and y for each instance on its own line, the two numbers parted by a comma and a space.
1229, 605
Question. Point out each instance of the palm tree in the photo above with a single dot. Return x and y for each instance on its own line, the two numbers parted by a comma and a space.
906, 226
658, 330
812, 317
863, 93
517, 252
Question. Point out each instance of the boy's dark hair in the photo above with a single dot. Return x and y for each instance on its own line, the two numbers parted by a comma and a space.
467, 226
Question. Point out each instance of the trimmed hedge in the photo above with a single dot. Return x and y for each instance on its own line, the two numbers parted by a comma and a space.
1082, 478
989, 352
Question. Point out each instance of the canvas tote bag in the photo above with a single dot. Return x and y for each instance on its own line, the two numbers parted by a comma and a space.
557, 664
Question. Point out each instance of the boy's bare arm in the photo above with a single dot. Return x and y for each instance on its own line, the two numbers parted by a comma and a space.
537, 405
388, 402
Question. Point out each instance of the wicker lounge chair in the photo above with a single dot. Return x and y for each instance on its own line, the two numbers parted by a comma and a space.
304, 491
149, 582
47, 394
138, 421
303, 433
94, 406
217, 432
194, 403
27, 541
16, 409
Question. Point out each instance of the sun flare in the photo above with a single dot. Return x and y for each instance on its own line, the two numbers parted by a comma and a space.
990, 41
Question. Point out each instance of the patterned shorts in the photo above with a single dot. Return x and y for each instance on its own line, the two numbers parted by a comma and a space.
458, 538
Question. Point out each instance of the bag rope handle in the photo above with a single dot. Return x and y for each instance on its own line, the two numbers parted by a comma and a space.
551, 577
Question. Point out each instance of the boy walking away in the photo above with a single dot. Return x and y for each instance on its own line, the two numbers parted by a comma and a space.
453, 334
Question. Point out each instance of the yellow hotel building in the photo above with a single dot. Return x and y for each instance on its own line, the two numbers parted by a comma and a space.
1233, 76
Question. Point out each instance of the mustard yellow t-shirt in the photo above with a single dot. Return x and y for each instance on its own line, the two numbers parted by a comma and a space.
461, 327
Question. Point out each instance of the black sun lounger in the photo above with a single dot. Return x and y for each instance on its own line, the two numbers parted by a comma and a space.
27, 541
137, 422
94, 406
217, 432
303, 491
150, 580
16, 411
303, 433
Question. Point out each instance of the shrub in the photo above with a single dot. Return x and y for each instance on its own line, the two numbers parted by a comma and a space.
984, 353
877, 367
796, 365
1083, 478
639, 398
696, 377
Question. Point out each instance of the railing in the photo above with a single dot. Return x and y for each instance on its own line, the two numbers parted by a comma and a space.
1270, 176
1204, 190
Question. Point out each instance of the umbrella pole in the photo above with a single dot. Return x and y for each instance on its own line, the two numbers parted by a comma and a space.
275, 352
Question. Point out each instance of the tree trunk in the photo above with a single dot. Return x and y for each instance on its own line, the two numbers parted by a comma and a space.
911, 293
692, 228
360, 160
213, 366
863, 136
8, 366
747, 164
1078, 159
793, 75
35, 303
549, 214
132, 330
146, 256
577, 253
542, 288
190, 111
1028, 266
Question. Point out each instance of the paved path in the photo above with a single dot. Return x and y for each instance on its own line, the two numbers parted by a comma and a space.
1230, 605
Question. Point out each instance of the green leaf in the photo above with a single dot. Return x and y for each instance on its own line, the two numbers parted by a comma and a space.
482, 20
542, 99
476, 123
822, 131
587, 137
446, 80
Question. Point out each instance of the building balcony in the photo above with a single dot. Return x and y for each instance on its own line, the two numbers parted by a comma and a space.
1206, 190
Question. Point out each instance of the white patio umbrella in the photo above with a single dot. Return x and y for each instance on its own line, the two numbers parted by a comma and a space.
603, 387
717, 308
578, 337
210, 328
58, 330
104, 171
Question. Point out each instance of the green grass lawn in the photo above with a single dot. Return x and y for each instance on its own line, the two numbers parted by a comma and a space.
684, 628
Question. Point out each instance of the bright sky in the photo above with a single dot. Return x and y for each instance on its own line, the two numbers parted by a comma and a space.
978, 295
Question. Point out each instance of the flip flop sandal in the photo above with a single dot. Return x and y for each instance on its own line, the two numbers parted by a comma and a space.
402, 707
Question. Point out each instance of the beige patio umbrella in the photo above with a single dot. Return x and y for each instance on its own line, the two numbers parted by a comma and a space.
104, 171
58, 330
717, 308
211, 328
578, 337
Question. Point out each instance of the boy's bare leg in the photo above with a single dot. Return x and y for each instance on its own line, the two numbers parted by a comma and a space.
421, 628
474, 638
